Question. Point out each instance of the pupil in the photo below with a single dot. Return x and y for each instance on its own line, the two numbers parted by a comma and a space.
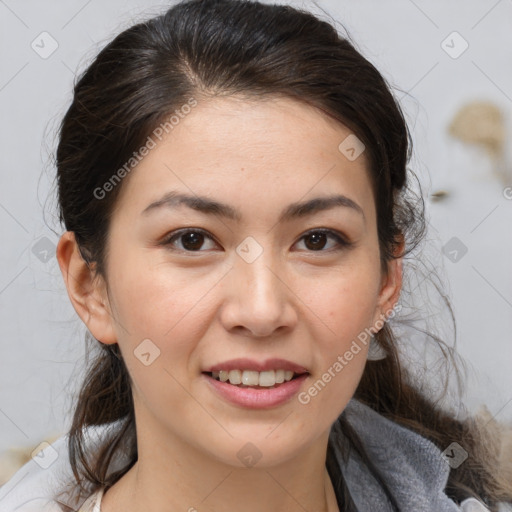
192, 240
317, 237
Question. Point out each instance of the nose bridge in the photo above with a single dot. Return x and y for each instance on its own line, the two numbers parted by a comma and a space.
259, 296
259, 274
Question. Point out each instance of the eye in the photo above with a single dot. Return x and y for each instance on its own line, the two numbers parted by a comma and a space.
316, 240
191, 239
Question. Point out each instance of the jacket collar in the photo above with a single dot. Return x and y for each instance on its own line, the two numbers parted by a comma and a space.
412, 467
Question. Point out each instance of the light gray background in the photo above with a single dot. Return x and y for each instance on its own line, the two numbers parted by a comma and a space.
42, 337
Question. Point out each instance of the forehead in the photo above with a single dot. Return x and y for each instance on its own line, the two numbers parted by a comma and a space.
250, 148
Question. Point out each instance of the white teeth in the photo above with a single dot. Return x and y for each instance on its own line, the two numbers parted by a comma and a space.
267, 378
235, 377
249, 378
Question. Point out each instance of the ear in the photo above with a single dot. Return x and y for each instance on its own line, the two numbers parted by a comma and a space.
391, 286
86, 290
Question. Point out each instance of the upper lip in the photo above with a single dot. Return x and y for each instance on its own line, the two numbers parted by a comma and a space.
259, 366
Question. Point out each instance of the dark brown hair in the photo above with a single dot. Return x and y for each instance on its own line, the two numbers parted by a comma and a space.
211, 48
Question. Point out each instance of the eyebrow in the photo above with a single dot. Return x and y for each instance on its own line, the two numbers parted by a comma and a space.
209, 206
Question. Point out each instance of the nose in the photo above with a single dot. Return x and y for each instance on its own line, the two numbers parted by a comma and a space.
258, 300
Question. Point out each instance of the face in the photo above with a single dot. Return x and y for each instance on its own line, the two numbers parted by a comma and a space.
193, 287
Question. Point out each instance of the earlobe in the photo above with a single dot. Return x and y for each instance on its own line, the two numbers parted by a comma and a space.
86, 290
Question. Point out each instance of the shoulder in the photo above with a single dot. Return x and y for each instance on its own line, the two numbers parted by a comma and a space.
413, 468
93, 503
46, 482
31, 486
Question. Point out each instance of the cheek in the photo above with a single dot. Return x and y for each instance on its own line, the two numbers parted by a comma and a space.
153, 302
169, 307
345, 305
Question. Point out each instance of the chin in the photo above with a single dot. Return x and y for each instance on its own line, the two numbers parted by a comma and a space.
254, 450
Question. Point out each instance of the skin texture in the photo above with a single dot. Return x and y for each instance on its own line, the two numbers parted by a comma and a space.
299, 301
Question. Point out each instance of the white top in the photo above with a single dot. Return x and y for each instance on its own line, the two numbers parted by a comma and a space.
93, 502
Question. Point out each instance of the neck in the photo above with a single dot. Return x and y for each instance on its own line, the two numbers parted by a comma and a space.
179, 477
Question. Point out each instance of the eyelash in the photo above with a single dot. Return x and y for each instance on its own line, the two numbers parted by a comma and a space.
340, 240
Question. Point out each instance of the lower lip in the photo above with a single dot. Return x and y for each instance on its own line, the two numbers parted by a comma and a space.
253, 398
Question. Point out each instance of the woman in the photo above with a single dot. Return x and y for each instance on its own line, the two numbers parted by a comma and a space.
232, 180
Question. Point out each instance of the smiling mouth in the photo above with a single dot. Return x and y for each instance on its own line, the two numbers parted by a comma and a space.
253, 379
